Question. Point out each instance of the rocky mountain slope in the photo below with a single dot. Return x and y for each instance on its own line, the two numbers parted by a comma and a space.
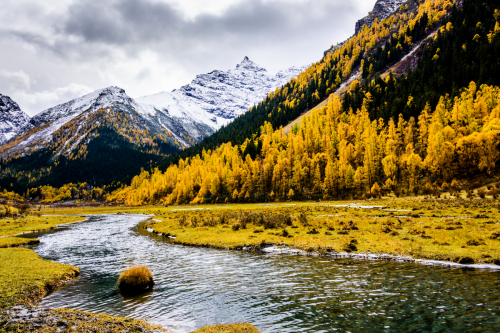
12, 118
70, 126
107, 136
381, 10
214, 99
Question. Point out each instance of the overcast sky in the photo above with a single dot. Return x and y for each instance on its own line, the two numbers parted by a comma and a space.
53, 51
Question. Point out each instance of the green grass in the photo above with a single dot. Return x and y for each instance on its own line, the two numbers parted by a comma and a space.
234, 328
11, 226
25, 277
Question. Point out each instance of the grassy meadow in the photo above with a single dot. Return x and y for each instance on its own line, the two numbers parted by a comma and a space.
24, 276
457, 230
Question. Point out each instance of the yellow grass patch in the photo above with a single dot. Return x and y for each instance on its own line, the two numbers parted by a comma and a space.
25, 277
450, 230
22, 224
234, 328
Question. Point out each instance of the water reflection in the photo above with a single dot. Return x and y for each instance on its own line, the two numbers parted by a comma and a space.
196, 287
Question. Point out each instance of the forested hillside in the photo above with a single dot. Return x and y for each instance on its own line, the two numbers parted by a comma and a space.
359, 54
445, 129
429, 128
335, 154
107, 146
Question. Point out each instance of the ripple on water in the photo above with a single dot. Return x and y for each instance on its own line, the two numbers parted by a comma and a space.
196, 287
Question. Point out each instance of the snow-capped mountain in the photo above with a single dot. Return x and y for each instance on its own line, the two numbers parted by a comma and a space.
216, 98
67, 126
381, 10
12, 118
180, 118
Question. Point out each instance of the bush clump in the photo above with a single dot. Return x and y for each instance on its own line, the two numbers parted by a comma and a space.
135, 280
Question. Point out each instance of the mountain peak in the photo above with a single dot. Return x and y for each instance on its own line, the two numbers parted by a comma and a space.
112, 89
249, 65
12, 118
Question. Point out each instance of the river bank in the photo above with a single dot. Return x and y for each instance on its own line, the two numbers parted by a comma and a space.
456, 232
25, 279
16, 225
196, 287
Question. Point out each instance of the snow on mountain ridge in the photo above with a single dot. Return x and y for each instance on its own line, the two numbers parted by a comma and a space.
216, 98
12, 118
101, 98
182, 117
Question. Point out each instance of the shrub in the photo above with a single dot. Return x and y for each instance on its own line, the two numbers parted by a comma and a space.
303, 219
445, 186
183, 222
350, 246
136, 279
495, 235
386, 229
375, 189
284, 233
476, 242
312, 231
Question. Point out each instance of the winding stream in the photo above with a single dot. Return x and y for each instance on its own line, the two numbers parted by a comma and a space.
196, 287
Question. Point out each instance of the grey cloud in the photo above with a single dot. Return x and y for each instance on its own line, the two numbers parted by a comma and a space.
145, 43
132, 25
143, 74
133, 21
119, 22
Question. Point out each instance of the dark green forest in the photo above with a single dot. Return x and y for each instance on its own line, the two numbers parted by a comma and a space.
111, 160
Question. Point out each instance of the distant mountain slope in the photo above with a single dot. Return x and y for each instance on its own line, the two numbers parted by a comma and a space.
12, 118
107, 136
67, 127
217, 98
381, 10
335, 71
100, 138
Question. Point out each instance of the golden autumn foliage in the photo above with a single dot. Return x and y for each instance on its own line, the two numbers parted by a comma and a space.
333, 154
80, 191
346, 57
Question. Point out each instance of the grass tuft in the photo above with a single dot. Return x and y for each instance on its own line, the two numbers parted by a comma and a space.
135, 280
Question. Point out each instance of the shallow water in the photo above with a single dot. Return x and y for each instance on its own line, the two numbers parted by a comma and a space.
196, 287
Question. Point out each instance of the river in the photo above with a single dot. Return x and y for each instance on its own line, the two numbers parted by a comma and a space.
197, 287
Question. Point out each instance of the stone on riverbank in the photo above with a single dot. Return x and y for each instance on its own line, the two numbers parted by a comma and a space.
28, 319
